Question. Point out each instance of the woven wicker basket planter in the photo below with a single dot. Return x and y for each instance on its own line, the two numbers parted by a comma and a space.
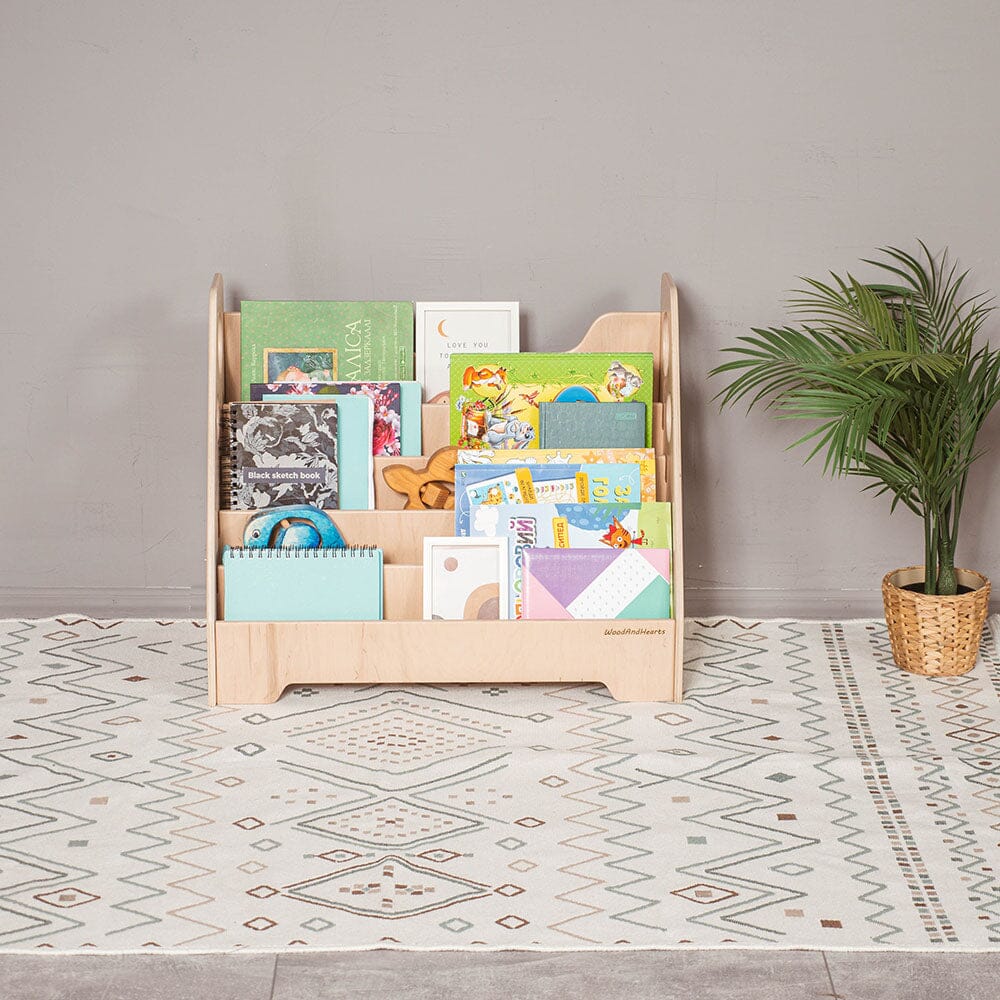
931, 635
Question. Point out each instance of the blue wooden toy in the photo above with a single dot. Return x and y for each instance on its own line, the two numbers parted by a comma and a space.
297, 526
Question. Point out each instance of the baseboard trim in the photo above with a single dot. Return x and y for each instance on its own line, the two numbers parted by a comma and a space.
189, 602
102, 602
773, 603
826, 605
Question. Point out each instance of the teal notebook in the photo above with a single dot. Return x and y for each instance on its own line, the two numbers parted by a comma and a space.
411, 396
591, 425
318, 585
354, 447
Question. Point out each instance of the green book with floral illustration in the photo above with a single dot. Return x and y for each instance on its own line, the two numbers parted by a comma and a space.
325, 342
495, 398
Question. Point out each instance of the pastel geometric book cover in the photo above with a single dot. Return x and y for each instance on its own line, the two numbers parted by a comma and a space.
564, 584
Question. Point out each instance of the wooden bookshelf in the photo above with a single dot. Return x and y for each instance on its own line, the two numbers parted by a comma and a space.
251, 663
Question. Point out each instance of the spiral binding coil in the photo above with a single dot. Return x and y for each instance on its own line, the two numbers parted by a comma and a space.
243, 552
228, 490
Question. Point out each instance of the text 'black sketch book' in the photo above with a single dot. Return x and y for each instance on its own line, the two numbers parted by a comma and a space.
278, 453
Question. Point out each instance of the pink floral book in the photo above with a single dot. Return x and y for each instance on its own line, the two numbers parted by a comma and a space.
391, 430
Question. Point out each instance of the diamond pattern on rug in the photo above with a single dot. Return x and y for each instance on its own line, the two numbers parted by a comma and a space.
807, 794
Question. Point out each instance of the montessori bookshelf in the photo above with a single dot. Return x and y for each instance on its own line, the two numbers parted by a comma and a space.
251, 663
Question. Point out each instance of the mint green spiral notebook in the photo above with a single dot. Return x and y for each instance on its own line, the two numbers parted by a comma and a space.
318, 585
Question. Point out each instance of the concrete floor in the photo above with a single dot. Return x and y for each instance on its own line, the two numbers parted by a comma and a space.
691, 975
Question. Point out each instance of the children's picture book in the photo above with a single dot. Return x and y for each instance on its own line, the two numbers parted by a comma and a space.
396, 408
325, 342
645, 457
509, 484
595, 425
273, 453
495, 398
632, 583
356, 464
443, 328
570, 526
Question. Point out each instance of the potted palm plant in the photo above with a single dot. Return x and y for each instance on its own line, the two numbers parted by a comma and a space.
891, 374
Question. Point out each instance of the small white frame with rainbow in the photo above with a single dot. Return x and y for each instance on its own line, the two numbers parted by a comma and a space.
486, 566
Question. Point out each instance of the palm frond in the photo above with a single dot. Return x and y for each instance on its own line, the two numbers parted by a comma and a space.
891, 378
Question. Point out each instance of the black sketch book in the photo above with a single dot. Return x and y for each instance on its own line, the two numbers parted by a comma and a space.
278, 453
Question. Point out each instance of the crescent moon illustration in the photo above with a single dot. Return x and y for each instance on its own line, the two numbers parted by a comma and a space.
440, 331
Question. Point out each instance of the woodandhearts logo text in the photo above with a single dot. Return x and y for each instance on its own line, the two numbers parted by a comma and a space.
635, 631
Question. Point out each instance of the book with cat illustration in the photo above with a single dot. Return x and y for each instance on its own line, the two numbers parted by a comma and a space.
495, 398
277, 453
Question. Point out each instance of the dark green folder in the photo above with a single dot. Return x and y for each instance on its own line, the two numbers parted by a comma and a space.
592, 425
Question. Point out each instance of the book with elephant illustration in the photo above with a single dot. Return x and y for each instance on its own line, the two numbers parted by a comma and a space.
495, 398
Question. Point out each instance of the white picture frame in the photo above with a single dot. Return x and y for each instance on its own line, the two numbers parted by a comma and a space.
474, 586
446, 328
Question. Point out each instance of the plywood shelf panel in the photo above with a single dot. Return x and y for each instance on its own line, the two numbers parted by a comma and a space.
629, 657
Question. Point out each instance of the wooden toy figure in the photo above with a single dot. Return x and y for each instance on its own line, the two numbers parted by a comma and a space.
296, 526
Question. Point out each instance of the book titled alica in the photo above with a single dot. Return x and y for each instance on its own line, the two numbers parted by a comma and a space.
325, 342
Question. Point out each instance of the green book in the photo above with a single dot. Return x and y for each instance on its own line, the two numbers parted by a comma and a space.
495, 398
325, 342
592, 425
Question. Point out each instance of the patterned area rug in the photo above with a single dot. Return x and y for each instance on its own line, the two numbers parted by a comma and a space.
807, 794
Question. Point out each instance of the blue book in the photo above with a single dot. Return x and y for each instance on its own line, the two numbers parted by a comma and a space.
319, 585
354, 447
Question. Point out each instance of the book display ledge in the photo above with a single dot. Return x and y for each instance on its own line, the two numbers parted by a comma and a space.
251, 663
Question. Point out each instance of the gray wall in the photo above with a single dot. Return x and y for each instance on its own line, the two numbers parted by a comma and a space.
562, 154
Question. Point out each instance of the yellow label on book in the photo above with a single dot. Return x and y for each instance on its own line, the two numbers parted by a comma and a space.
582, 488
526, 484
560, 533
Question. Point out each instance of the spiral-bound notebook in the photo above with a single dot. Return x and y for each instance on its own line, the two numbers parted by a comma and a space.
277, 453
281, 585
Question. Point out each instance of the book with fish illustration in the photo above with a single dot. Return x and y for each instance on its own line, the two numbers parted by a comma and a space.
529, 484
569, 526
644, 457
495, 398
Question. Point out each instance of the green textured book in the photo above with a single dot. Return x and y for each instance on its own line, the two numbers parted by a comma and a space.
592, 425
325, 342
